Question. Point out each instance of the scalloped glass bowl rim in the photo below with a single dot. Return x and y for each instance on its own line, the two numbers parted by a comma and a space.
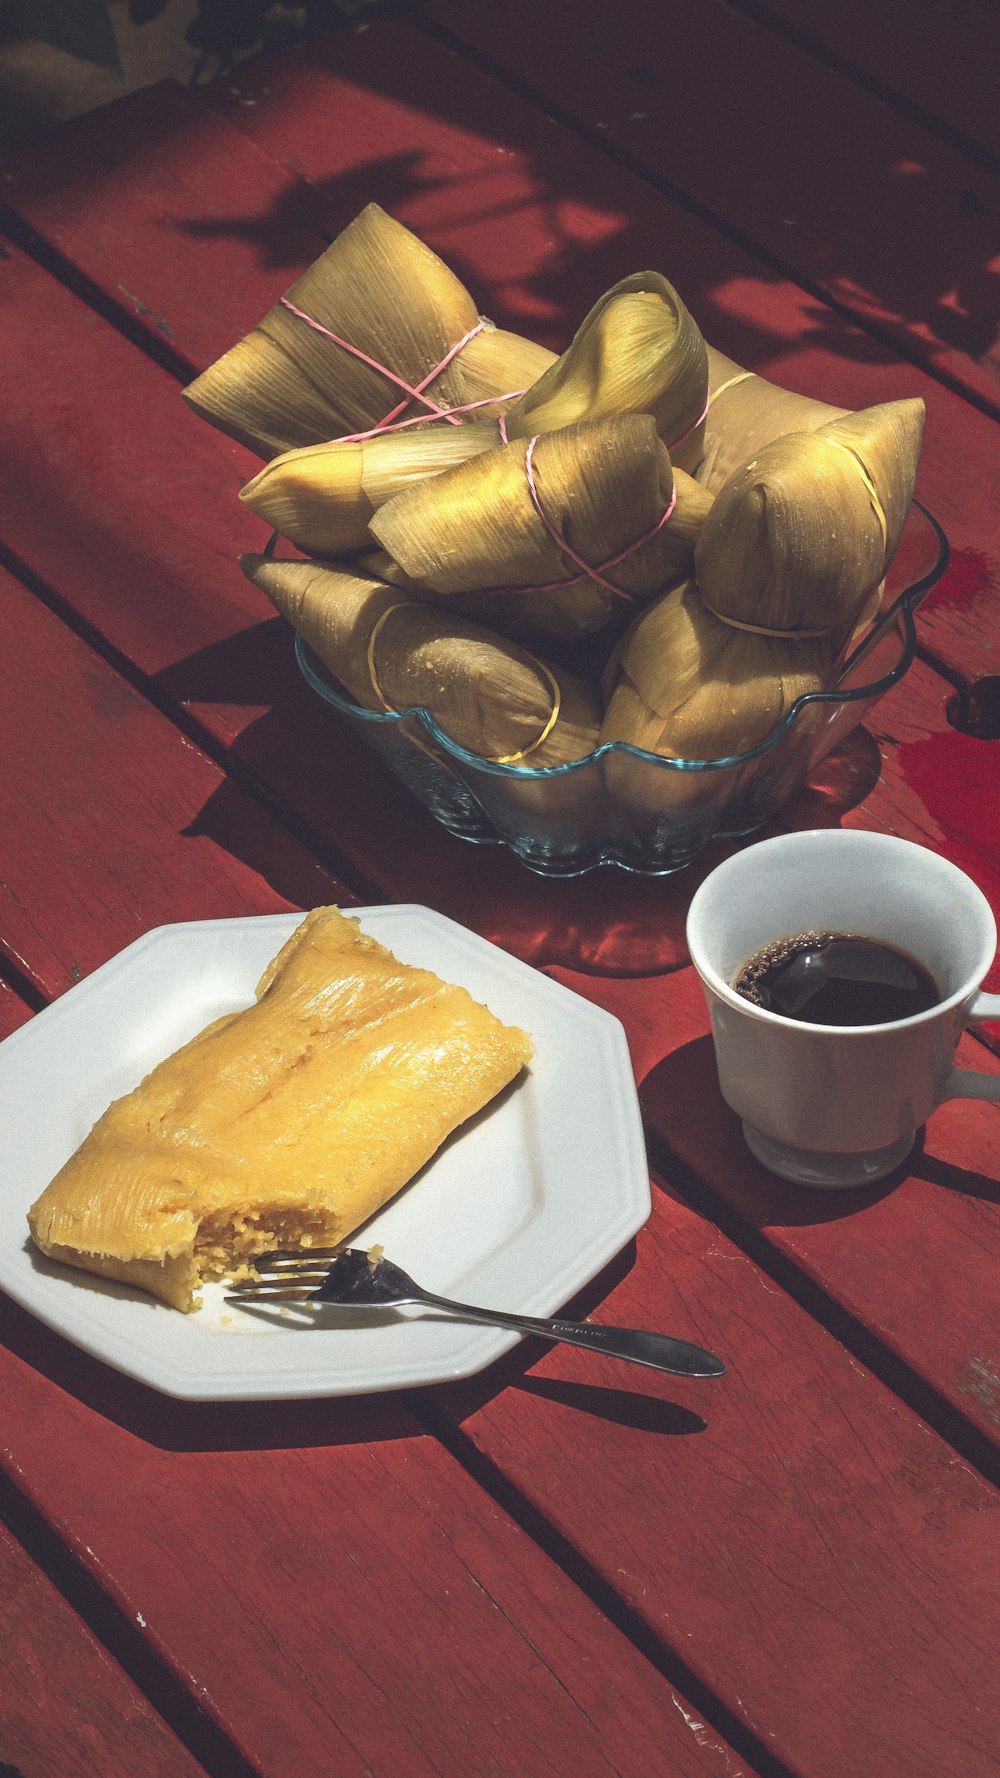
903, 609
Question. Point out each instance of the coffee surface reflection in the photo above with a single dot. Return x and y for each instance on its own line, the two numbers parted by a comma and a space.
836, 978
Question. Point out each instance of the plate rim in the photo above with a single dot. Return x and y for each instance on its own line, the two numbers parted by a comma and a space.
462, 1357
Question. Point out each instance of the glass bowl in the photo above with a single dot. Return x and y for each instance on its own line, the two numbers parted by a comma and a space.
622, 805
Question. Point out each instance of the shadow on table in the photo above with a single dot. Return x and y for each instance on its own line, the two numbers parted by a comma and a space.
173, 1425
370, 831
169, 1424
682, 1102
577, 220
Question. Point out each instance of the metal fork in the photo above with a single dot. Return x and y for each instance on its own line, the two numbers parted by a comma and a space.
350, 1276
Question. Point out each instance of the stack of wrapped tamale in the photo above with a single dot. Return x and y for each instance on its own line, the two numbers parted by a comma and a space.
638, 540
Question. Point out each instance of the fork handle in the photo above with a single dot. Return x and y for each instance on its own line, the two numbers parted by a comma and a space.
659, 1351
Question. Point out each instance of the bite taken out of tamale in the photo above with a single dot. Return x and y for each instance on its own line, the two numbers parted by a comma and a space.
370, 321
323, 497
286, 1125
638, 351
561, 534
794, 547
391, 652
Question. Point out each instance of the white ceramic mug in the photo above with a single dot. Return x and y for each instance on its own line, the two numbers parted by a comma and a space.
841, 1105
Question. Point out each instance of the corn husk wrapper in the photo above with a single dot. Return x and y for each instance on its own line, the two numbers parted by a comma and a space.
795, 539
380, 288
686, 686
794, 546
746, 412
691, 687
488, 694
638, 351
323, 497
473, 535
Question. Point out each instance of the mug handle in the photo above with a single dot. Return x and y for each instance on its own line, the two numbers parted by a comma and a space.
965, 1083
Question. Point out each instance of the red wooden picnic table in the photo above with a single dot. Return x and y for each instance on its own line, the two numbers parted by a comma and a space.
559, 1565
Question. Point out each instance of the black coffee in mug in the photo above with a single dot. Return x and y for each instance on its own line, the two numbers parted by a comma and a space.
836, 978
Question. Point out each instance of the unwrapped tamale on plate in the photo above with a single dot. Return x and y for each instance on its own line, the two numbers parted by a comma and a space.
286, 1125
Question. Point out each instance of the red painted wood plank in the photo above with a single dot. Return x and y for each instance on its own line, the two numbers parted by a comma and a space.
120, 823
536, 221
852, 196
943, 68
928, 1235
822, 1557
148, 557
540, 223
13, 1011
334, 1589
65, 1707
941, 791
158, 165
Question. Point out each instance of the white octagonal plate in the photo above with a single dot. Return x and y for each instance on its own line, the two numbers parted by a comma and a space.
518, 1210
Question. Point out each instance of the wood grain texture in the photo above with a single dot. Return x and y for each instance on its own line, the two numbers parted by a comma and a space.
821, 1556
537, 222
926, 1236
334, 1589
943, 69
121, 823
14, 1012
65, 1706
855, 199
337, 1587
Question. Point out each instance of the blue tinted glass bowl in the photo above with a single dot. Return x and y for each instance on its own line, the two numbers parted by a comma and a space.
621, 805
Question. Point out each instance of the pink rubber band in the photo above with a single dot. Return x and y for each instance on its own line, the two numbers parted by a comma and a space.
587, 569
693, 426
415, 393
426, 419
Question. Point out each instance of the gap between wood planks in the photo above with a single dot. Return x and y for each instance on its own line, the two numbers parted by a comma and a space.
630, 163
120, 318
878, 89
295, 824
899, 1377
121, 1639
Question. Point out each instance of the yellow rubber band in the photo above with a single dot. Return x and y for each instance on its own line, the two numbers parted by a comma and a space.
762, 630
499, 759
509, 759
377, 627
877, 507
728, 384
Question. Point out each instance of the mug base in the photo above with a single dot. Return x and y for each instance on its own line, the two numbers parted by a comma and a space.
826, 1172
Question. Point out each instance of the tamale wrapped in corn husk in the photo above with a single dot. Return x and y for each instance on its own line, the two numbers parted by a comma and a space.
638, 351
391, 653
802, 533
689, 686
793, 548
381, 290
475, 536
322, 497
745, 412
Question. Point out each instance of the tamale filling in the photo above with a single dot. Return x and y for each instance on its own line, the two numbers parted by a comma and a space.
284, 1126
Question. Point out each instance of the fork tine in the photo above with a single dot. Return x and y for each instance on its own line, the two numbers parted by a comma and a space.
249, 1293
261, 1287
291, 1259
